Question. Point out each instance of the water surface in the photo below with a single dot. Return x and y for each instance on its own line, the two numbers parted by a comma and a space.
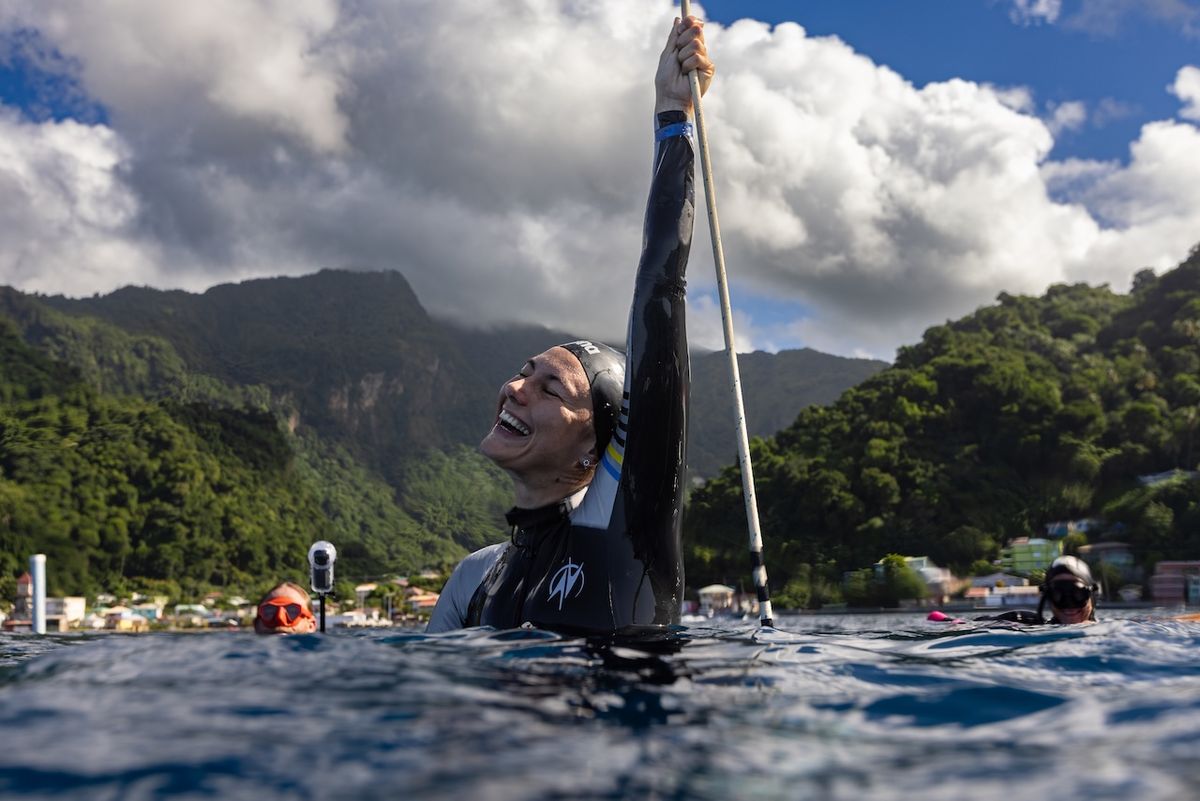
829, 707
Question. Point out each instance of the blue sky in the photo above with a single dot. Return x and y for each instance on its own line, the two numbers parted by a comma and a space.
881, 166
1117, 63
1069, 59
1128, 66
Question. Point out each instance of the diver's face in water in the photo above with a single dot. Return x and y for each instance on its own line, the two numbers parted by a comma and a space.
303, 624
1080, 615
543, 425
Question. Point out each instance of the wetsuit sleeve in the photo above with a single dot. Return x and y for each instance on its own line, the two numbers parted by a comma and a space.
451, 610
640, 478
613, 563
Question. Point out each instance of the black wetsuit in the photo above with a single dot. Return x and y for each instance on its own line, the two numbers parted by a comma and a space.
1031, 618
608, 560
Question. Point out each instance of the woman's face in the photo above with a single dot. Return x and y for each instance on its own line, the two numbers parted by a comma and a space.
543, 424
1069, 615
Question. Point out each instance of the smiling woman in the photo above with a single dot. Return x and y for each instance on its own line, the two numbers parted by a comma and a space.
545, 433
596, 451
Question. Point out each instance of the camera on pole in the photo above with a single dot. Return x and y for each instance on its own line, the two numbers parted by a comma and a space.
321, 557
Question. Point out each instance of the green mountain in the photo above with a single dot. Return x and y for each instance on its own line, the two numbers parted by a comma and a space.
204, 440
357, 359
775, 388
1028, 411
352, 356
123, 466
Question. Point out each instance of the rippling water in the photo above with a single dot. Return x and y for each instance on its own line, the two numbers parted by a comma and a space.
855, 707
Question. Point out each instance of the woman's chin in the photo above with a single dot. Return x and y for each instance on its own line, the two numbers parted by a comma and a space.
497, 447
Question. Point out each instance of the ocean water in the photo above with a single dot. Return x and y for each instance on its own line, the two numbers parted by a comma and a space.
825, 707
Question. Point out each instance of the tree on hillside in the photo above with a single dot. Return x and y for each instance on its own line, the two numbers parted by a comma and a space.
1028, 411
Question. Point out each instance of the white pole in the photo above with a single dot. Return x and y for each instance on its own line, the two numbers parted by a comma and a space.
759, 570
37, 569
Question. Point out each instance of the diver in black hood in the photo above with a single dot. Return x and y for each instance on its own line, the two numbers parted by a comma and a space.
1070, 591
594, 441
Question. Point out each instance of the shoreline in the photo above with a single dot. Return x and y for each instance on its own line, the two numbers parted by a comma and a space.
972, 608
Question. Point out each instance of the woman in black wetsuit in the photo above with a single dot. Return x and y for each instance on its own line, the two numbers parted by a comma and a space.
595, 447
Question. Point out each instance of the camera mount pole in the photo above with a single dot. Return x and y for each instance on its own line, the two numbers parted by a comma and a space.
759, 569
322, 597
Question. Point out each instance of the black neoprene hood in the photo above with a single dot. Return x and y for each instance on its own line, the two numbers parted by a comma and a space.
1071, 565
605, 371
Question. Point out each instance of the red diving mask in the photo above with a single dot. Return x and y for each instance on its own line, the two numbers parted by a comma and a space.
281, 613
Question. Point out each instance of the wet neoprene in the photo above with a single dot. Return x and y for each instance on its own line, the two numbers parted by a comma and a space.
610, 562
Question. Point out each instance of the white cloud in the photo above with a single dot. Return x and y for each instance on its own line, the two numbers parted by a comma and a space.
1069, 116
707, 332
1187, 89
1028, 12
65, 222
1151, 208
479, 149
1110, 109
219, 72
1106, 17
1017, 98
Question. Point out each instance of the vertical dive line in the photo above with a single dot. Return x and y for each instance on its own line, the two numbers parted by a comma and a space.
759, 569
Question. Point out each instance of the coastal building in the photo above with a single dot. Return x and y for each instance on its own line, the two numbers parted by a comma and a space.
1023, 555
189, 615
977, 594
122, 618
1022, 595
1176, 583
420, 601
72, 609
994, 580
23, 603
361, 592
939, 581
149, 610
61, 613
715, 598
1115, 555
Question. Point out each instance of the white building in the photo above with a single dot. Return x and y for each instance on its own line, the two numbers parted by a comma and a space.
994, 580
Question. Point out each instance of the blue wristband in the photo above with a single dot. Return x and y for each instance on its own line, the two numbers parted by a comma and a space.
677, 129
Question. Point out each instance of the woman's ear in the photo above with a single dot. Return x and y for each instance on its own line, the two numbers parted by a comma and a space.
589, 459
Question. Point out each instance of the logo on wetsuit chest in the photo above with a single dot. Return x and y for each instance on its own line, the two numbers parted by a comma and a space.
564, 581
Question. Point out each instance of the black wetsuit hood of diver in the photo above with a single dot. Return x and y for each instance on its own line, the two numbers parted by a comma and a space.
1073, 566
605, 370
608, 561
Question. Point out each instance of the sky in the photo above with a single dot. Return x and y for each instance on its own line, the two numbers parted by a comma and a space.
880, 166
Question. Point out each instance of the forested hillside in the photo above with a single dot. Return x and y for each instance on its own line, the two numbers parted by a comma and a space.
205, 440
351, 356
180, 495
775, 387
1028, 411
357, 359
